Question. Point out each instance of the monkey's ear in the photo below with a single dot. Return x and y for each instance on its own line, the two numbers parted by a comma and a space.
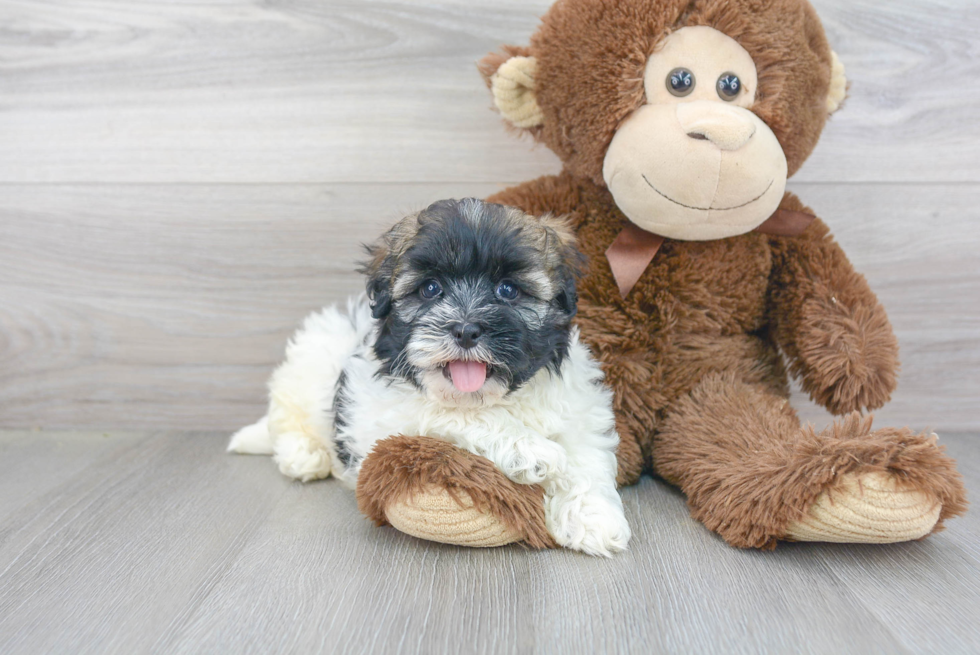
838, 84
511, 81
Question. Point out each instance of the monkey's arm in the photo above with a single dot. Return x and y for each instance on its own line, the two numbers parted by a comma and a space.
828, 321
555, 194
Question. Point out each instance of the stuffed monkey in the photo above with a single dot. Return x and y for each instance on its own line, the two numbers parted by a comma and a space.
678, 124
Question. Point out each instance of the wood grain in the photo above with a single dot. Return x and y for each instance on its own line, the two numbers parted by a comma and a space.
181, 182
105, 561
160, 306
154, 306
895, 580
32, 466
170, 545
382, 91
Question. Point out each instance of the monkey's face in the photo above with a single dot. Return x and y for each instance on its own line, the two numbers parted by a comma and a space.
474, 299
694, 162
692, 114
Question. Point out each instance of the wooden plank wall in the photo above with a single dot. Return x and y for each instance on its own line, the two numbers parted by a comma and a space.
180, 183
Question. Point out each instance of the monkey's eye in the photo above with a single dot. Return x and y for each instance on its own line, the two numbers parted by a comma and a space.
430, 289
680, 82
728, 86
507, 290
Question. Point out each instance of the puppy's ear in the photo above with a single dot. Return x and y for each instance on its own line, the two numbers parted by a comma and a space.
378, 272
384, 254
567, 298
380, 296
560, 242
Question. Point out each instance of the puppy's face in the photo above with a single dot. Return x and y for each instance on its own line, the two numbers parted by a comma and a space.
473, 298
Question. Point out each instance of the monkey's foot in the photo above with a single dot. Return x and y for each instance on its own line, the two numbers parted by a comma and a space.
437, 516
868, 508
433, 490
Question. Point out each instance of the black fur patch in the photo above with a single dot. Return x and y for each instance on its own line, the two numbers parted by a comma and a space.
340, 404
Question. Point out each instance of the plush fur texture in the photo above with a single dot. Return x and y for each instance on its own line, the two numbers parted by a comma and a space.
724, 417
542, 416
698, 353
401, 468
591, 56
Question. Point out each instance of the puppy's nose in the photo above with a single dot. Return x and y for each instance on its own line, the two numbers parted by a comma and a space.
466, 334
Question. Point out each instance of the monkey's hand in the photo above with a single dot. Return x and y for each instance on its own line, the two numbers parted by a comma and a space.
847, 355
828, 322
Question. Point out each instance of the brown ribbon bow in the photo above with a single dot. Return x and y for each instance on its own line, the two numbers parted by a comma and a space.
634, 248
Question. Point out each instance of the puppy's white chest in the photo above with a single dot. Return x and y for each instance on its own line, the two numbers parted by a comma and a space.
380, 408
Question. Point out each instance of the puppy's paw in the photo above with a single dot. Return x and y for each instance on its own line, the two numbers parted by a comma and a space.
301, 457
590, 523
532, 461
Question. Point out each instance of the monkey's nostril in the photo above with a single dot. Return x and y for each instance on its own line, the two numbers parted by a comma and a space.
727, 137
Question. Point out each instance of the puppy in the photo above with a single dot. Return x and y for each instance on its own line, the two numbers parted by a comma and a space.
465, 335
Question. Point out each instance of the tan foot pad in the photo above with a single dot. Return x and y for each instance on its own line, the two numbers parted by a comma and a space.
436, 516
868, 508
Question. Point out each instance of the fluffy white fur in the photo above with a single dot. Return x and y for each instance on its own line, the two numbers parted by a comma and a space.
556, 431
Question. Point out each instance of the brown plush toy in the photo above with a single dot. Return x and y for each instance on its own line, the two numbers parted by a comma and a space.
678, 123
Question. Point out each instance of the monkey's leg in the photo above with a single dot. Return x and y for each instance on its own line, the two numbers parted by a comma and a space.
433, 490
752, 474
629, 458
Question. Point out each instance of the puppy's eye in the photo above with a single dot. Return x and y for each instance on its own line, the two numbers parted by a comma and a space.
728, 86
680, 82
507, 290
430, 289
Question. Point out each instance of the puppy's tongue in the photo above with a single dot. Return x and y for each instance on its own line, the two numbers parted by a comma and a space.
468, 376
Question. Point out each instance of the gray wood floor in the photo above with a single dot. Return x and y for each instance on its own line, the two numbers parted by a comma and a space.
160, 542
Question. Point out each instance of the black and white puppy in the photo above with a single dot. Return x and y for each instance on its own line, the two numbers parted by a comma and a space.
465, 335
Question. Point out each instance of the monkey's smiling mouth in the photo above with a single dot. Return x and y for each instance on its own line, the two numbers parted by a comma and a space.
768, 186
